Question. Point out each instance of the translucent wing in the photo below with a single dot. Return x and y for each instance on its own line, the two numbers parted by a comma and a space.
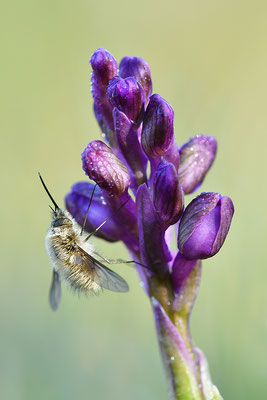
102, 275
55, 291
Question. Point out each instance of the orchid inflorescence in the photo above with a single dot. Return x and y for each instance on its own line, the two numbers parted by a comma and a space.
141, 156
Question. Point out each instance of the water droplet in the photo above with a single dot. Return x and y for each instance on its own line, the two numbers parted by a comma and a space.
154, 301
103, 201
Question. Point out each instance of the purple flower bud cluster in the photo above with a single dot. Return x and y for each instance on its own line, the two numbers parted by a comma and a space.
143, 164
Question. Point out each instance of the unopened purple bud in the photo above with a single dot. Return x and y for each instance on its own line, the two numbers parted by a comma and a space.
128, 96
196, 158
204, 225
139, 69
77, 202
157, 133
104, 69
104, 66
167, 194
102, 166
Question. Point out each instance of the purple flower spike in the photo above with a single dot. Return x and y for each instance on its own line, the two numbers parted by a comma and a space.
104, 68
77, 202
143, 156
139, 69
128, 96
196, 158
102, 166
167, 194
157, 133
204, 225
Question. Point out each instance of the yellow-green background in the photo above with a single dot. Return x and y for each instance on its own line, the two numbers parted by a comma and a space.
208, 59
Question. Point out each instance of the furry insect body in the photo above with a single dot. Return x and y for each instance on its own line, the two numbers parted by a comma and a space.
64, 245
72, 259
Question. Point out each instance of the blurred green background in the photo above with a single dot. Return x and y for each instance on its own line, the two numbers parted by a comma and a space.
208, 59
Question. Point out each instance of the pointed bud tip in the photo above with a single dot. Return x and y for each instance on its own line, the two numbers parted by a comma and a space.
138, 68
104, 65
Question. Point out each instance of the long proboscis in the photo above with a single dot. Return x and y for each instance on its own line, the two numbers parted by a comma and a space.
47, 191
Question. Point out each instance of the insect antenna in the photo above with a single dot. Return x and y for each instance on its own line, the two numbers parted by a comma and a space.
89, 205
47, 191
106, 220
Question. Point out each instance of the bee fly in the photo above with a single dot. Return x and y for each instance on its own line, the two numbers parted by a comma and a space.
72, 259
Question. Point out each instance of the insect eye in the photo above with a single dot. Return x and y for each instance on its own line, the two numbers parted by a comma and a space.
61, 221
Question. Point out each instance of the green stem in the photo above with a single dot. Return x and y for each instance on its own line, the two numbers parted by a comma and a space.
185, 367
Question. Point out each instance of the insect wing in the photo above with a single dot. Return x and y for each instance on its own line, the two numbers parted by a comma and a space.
55, 291
102, 275
109, 279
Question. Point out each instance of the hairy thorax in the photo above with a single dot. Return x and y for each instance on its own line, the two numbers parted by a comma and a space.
63, 245
62, 242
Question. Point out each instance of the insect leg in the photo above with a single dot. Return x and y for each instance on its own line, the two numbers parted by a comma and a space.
89, 205
120, 261
100, 226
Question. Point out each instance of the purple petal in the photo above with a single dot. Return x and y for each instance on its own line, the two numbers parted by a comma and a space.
185, 278
227, 211
102, 166
181, 269
77, 202
157, 132
153, 248
172, 155
124, 214
139, 69
167, 194
204, 225
128, 96
103, 114
129, 145
196, 158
